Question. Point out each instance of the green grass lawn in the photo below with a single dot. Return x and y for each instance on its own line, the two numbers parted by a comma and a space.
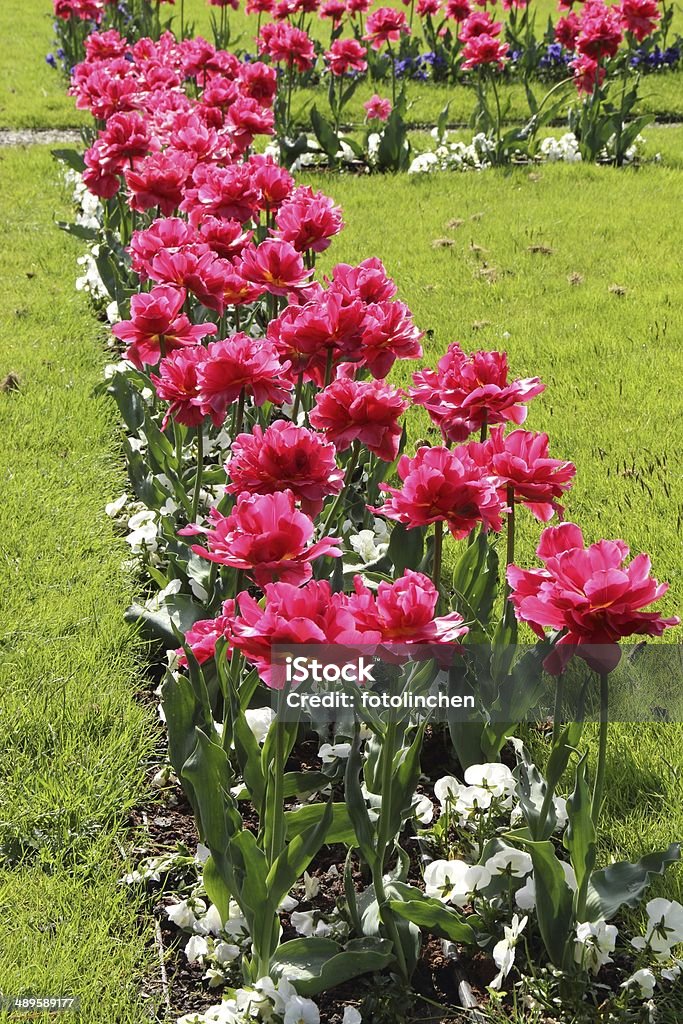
74, 740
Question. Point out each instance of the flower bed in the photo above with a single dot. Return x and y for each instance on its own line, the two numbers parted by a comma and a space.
276, 512
599, 54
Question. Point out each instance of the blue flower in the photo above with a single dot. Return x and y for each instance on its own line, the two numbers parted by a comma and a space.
50, 59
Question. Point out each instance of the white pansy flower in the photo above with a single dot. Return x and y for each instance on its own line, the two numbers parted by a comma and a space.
143, 535
202, 854
210, 923
423, 809
516, 863
259, 721
471, 800
643, 980
664, 928
424, 163
453, 881
504, 951
311, 886
304, 922
595, 940
113, 508
196, 949
225, 952
446, 790
184, 914
301, 1011
351, 1016
525, 898
370, 545
497, 778
331, 751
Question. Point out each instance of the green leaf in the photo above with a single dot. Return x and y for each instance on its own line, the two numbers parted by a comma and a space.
624, 883
405, 548
579, 837
355, 802
302, 784
314, 965
216, 888
554, 900
210, 776
431, 914
296, 856
177, 612
71, 157
340, 829
325, 134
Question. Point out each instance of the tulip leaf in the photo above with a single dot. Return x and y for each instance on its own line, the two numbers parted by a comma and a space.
405, 548
296, 856
579, 838
209, 773
554, 900
432, 914
314, 965
340, 828
623, 884
355, 802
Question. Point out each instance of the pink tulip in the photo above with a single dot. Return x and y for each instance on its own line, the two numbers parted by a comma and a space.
439, 485
285, 457
588, 593
265, 536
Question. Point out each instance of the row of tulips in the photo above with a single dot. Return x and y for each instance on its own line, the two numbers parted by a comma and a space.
277, 503
603, 49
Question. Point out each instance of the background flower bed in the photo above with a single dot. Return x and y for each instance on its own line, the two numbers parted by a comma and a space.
480, 289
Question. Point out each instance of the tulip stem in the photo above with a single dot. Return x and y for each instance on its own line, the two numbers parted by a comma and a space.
198, 475
297, 397
599, 786
438, 554
510, 552
350, 469
239, 419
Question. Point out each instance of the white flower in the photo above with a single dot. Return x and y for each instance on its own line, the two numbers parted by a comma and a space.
183, 914
454, 881
423, 809
560, 805
301, 1011
202, 854
471, 800
516, 863
424, 163
214, 976
259, 721
446, 790
504, 951
287, 903
114, 507
225, 952
595, 940
196, 949
113, 315
368, 546
351, 1016
210, 923
304, 922
330, 751
143, 535
644, 980
497, 778
311, 886
664, 929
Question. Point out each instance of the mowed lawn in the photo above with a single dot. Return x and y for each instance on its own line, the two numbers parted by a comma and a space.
74, 739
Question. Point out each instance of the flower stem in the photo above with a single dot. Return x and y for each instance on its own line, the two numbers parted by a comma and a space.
599, 786
198, 476
510, 552
438, 553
